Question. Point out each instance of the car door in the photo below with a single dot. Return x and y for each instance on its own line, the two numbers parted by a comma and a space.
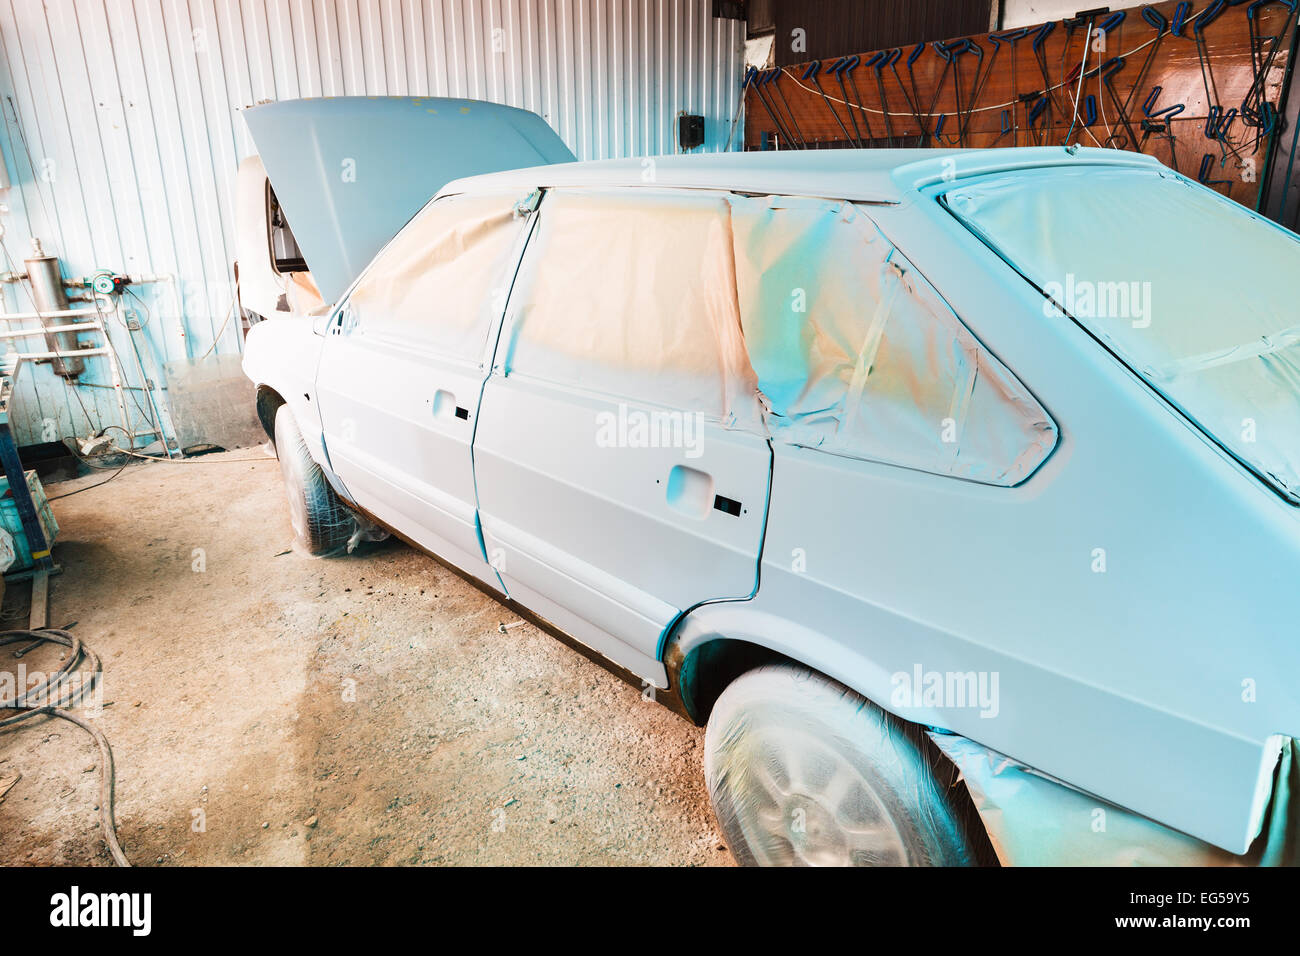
620, 458
403, 366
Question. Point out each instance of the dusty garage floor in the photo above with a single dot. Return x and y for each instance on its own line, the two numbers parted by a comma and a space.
266, 708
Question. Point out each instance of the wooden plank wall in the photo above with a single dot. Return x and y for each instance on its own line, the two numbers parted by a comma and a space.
988, 102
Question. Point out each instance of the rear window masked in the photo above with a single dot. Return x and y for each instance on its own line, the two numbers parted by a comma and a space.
1191, 290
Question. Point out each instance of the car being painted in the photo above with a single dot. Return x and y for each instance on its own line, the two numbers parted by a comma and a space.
346, 196
853, 414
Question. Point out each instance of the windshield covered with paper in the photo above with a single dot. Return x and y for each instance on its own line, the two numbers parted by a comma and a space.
1194, 292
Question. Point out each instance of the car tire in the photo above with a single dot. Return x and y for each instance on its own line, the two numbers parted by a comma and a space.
322, 524
803, 771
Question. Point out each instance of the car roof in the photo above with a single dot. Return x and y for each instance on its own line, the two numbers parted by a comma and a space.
862, 175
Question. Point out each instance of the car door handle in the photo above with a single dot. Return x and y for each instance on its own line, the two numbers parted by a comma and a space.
444, 406
691, 492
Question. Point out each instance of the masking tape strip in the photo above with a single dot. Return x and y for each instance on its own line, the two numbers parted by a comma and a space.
893, 279
961, 398
1264, 345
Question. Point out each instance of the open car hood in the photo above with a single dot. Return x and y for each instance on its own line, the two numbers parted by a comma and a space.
350, 171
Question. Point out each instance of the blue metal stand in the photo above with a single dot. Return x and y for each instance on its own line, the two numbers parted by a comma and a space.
13, 469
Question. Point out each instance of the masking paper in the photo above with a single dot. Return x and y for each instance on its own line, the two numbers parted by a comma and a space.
1180, 283
858, 356
440, 284
631, 293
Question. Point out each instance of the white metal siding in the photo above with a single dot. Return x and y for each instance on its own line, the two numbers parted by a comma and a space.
129, 110
1024, 13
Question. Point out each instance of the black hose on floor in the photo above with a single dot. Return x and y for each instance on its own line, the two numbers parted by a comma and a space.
53, 697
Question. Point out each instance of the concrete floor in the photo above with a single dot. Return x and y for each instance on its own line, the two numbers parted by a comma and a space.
267, 708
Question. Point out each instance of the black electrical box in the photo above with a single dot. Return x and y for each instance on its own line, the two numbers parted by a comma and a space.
690, 131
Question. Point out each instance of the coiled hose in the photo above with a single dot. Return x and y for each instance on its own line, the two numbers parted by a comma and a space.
54, 696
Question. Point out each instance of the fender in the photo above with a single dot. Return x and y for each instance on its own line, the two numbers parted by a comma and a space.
885, 636
744, 622
282, 354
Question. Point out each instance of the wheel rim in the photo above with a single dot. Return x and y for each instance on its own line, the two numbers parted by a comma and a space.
297, 501
806, 804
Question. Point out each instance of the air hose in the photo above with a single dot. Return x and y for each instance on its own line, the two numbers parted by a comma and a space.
54, 697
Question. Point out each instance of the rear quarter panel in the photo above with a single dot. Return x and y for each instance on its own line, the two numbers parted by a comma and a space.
1158, 682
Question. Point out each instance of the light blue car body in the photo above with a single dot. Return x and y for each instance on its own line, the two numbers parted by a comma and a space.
1164, 683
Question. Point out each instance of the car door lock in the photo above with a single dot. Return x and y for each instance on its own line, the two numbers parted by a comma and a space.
726, 505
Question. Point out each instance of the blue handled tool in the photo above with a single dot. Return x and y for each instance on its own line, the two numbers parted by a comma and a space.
811, 73
1157, 19
1212, 120
1040, 55
1158, 22
1006, 126
754, 79
1108, 71
1225, 124
1113, 21
1208, 16
914, 101
976, 86
1203, 21
1254, 108
878, 62
1207, 170
1011, 38
944, 53
774, 80
847, 64
1149, 105
1218, 122
1037, 110
1152, 123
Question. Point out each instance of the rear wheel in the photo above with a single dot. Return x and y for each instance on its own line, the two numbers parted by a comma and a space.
804, 772
322, 524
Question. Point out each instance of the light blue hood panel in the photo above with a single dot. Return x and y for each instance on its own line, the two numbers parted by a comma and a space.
350, 171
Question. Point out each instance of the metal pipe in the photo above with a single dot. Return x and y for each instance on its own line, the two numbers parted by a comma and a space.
150, 278
28, 333
49, 298
46, 356
143, 278
63, 313
149, 388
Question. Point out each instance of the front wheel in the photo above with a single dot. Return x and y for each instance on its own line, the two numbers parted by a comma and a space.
322, 524
802, 771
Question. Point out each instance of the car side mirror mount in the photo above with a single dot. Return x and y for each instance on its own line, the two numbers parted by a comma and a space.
321, 319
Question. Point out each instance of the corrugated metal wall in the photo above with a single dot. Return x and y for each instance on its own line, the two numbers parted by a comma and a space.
1024, 13
121, 135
